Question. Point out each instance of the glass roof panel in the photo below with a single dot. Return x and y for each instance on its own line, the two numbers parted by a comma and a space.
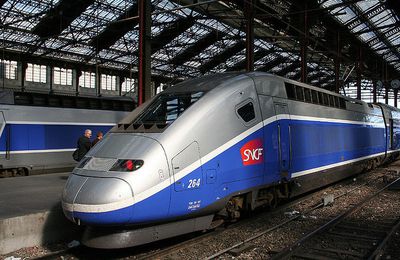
368, 15
25, 14
74, 43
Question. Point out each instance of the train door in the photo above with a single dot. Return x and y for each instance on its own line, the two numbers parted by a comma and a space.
284, 135
188, 180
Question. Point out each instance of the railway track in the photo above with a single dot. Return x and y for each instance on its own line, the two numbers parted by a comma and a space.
184, 245
162, 249
159, 250
234, 249
346, 238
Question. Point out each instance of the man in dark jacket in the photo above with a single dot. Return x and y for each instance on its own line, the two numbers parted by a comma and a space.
98, 138
84, 144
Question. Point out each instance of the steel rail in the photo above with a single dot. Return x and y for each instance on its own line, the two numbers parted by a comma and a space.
378, 251
287, 252
281, 224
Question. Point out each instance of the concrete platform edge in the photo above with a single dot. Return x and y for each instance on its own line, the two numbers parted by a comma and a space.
36, 230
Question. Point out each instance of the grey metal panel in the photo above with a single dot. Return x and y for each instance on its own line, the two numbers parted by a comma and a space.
102, 191
72, 187
266, 105
269, 85
61, 115
111, 238
186, 157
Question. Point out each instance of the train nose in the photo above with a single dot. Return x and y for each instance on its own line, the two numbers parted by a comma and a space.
97, 201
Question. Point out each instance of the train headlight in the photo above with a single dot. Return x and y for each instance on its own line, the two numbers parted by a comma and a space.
124, 165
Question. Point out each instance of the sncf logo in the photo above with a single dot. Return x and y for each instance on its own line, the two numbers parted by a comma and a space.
252, 152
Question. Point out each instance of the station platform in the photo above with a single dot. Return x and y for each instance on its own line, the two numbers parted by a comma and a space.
31, 214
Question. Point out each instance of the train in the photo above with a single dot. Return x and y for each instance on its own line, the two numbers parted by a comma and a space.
39, 132
212, 148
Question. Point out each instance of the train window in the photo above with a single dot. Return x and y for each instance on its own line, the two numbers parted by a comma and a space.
325, 99
307, 95
314, 95
299, 93
337, 102
321, 98
331, 101
167, 107
246, 112
342, 103
291, 94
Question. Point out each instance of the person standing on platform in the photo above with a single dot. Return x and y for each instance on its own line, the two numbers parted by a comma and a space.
84, 145
99, 136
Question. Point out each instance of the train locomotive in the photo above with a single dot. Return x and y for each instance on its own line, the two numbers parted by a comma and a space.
210, 148
39, 132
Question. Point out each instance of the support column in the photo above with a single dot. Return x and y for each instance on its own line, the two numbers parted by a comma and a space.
337, 63
395, 97
144, 8
120, 81
304, 44
374, 92
249, 14
78, 73
51, 78
386, 85
97, 84
359, 72
24, 66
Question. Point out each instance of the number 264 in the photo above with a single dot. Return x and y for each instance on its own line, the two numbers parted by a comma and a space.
194, 183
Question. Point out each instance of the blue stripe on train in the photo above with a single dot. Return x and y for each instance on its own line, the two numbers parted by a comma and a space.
314, 144
45, 137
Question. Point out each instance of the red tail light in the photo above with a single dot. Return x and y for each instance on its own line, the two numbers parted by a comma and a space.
126, 165
129, 165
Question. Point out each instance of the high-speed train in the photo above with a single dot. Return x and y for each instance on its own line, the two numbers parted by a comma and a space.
210, 148
39, 132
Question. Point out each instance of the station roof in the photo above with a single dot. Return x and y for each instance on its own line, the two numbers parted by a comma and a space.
192, 38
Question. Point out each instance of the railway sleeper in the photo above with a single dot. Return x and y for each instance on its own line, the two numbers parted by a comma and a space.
340, 252
354, 236
360, 228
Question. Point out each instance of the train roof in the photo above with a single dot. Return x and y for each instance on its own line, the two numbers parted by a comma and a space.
204, 83
9, 97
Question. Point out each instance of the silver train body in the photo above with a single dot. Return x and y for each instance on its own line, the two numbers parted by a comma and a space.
213, 147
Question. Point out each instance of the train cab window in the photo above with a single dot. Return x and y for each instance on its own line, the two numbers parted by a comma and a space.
314, 96
307, 95
246, 112
291, 94
331, 101
299, 93
168, 107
